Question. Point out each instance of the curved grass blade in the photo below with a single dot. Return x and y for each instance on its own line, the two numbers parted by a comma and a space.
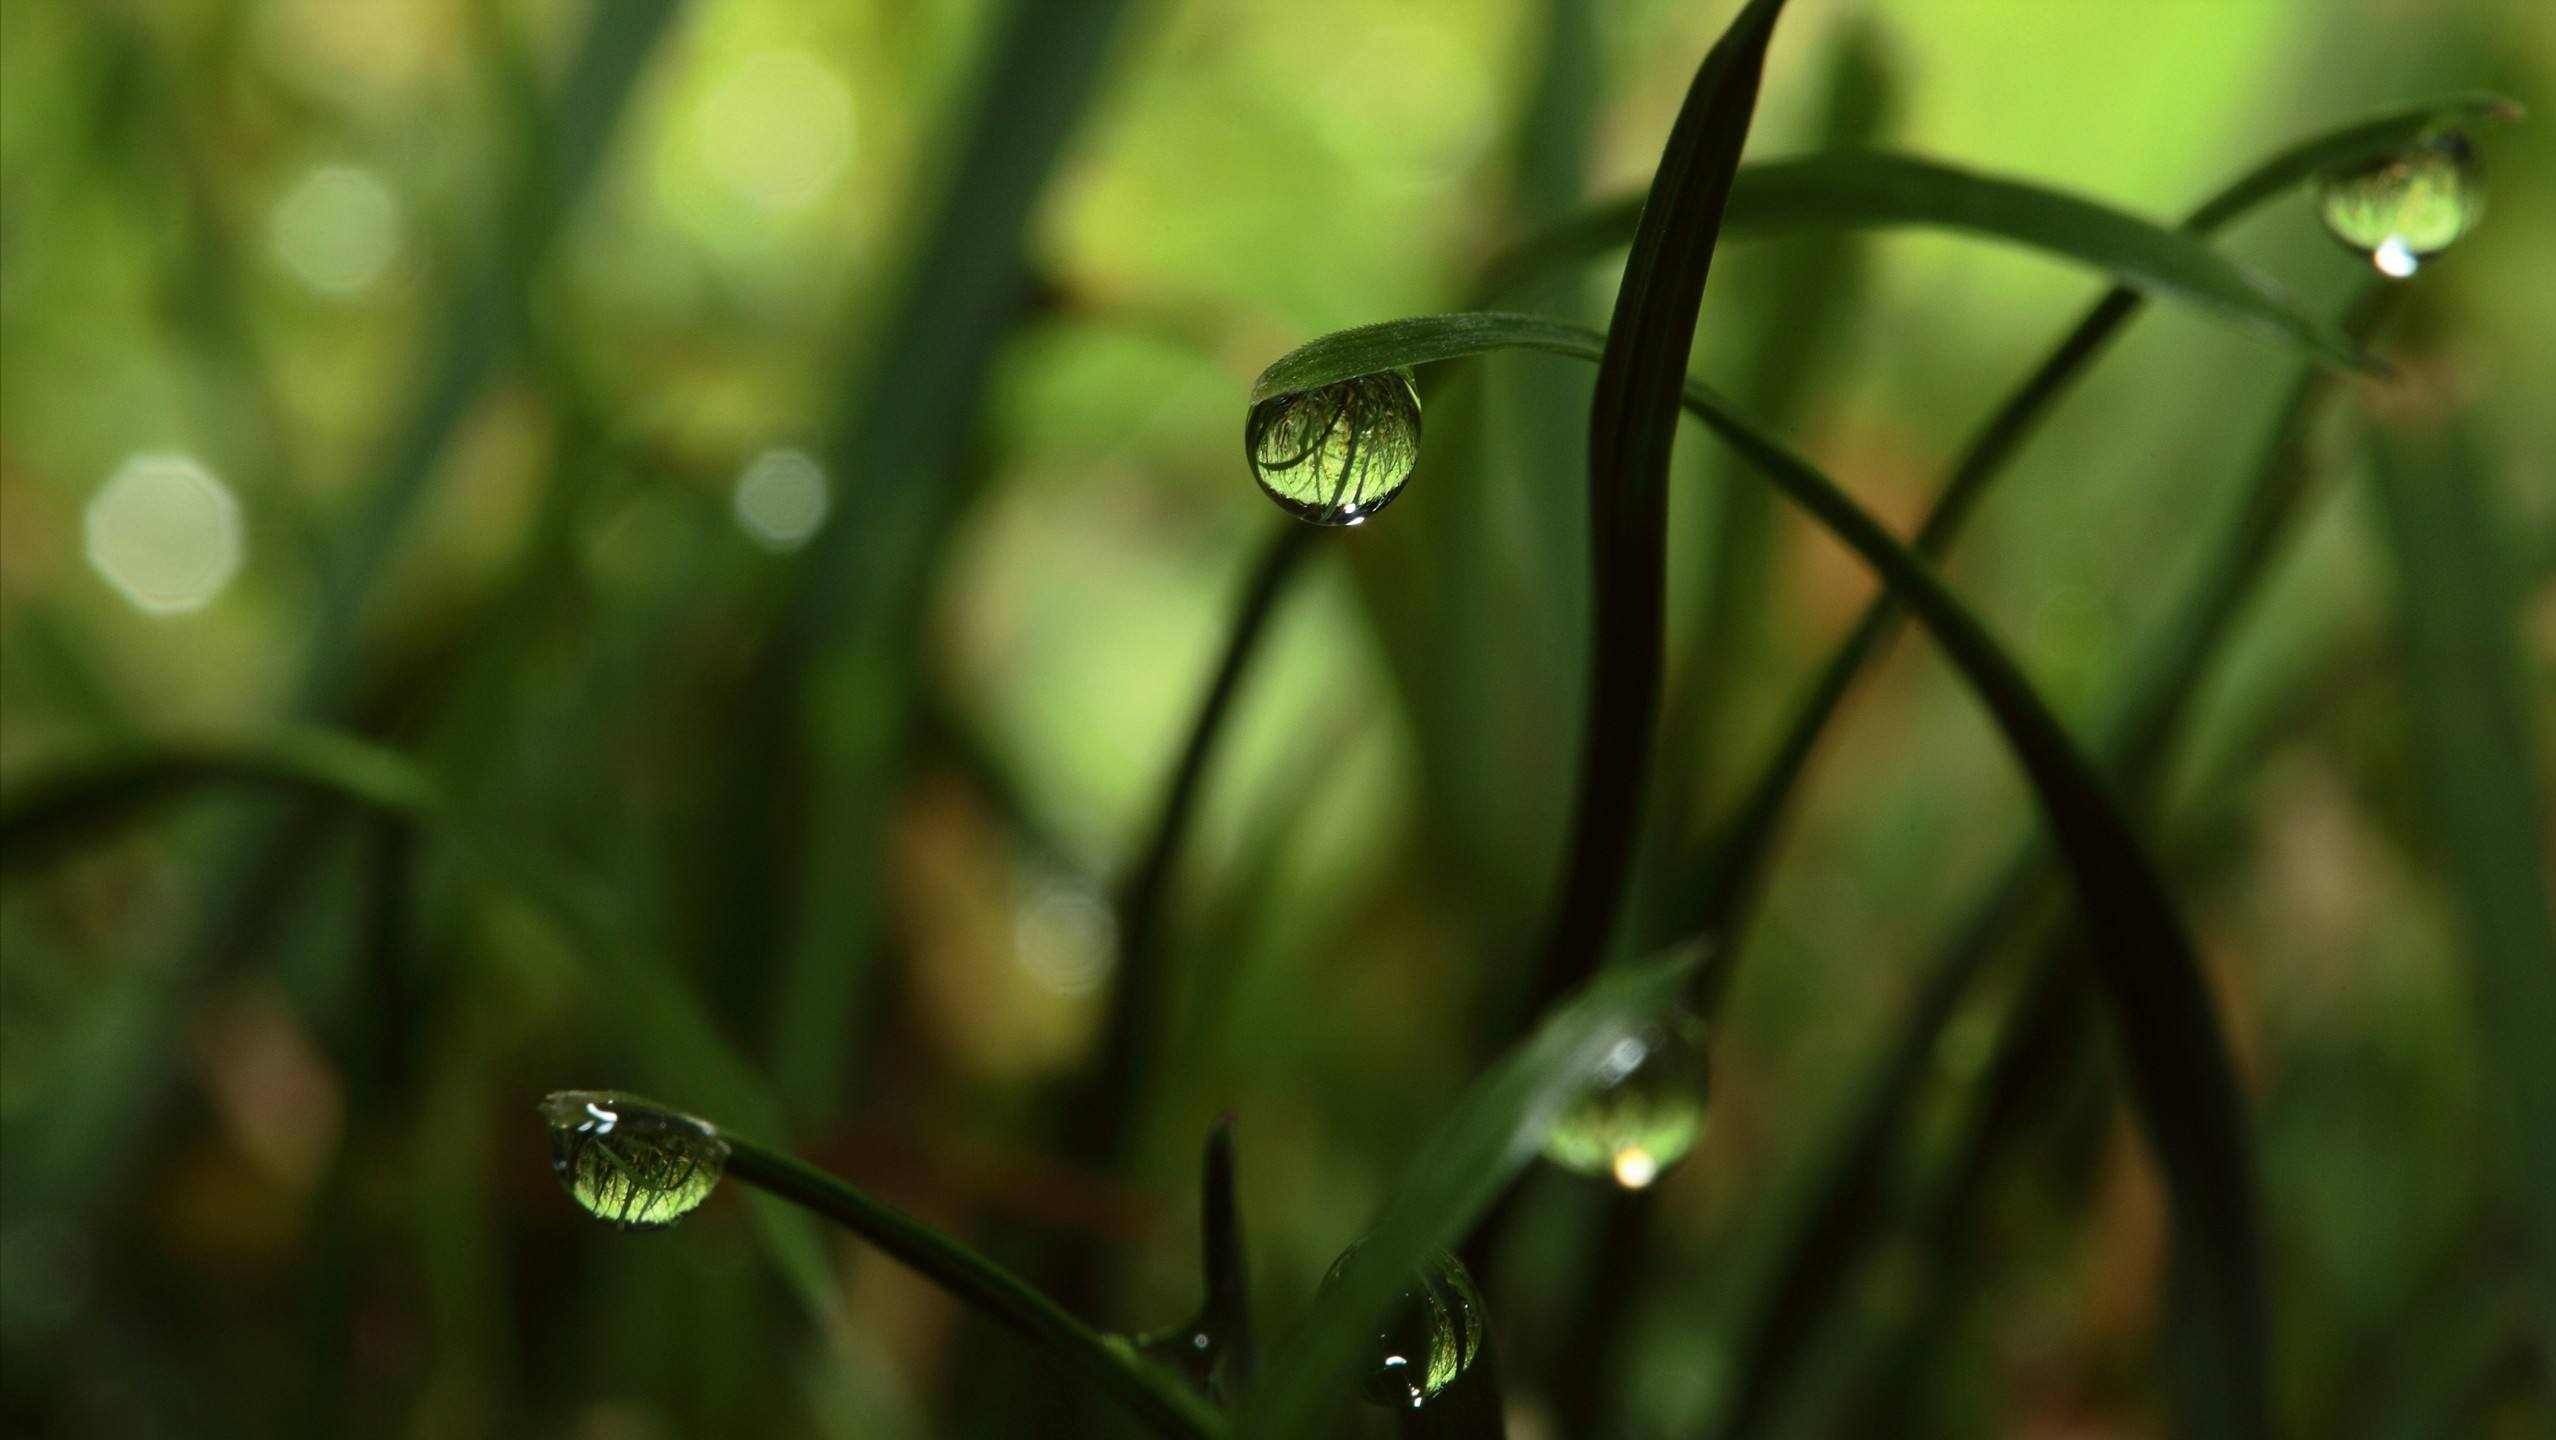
1729, 871
1829, 1220
1772, 197
1632, 428
1452, 1177
635, 993
2459, 619
2181, 1075
984, 1287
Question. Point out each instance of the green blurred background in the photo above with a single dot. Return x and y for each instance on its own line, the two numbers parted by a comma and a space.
488, 412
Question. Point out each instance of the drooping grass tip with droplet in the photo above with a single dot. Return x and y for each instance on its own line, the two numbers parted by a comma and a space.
1338, 453
629, 1162
1429, 1337
2405, 206
1643, 1111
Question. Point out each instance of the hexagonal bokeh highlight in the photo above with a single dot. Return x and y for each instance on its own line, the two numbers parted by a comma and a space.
165, 533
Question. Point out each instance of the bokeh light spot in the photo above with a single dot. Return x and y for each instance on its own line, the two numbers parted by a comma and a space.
337, 230
165, 532
781, 499
779, 130
1066, 940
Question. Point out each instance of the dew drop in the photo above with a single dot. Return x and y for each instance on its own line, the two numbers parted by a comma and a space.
1431, 1335
2404, 207
1644, 1109
1337, 454
628, 1162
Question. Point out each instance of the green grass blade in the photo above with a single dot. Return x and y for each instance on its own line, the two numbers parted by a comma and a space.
1632, 428
1110, 1366
634, 994
1729, 871
1228, 1308
485, 320
2181, 1076
1452, 1177
2459, 617
1772, 197
1828, 1223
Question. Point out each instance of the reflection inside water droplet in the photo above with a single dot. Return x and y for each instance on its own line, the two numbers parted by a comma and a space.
1337, 454
1430, 1336
2406, 206
628, 1162
1643, 1110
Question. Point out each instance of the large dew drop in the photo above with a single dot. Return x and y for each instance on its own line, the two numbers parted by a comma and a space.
1644, 1111
2405, 207
1430, 1336
628, 1162
1337, 454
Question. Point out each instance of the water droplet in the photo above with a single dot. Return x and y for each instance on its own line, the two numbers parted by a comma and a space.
628, 1162
1188, 1350
1429, 1337
1337, 454
1644, 1108
2404, 207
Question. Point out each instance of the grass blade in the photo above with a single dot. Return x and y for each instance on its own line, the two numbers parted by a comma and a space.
1228, 1309
1452, 1177
2459, 618
2181, 1075
1109, 1365
1872, 190
1828, 1221
1632, 428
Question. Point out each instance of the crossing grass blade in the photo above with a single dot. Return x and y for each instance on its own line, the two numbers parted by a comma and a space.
2181, 1076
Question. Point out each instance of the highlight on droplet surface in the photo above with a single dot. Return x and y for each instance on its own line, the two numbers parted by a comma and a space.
165, 533
1430, 1336
337, 229
2406, 206
629, 1162
781, 499
1643, 1110
1336, 454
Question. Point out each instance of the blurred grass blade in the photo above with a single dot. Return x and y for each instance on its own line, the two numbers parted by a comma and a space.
1771, 197
1451, 1178
1111, 1366
1632, 428
2459, 615
635, 997
484, 320
1826, 1222
1103, 1107
857, 595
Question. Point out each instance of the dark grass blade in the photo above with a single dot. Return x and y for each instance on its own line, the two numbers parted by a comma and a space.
1632, 429
1108, 1365
1729, 872
1831, 1221
1228, 1308
2458, 616
2181, 1075
1772, 197
1452, 1177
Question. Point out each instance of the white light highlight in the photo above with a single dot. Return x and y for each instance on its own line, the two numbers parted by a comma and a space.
781, 499
2394, 258
164, 533
1634, 1168
778, 132
336, 230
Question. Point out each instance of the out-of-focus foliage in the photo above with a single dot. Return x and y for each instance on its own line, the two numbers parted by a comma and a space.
268, 1068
